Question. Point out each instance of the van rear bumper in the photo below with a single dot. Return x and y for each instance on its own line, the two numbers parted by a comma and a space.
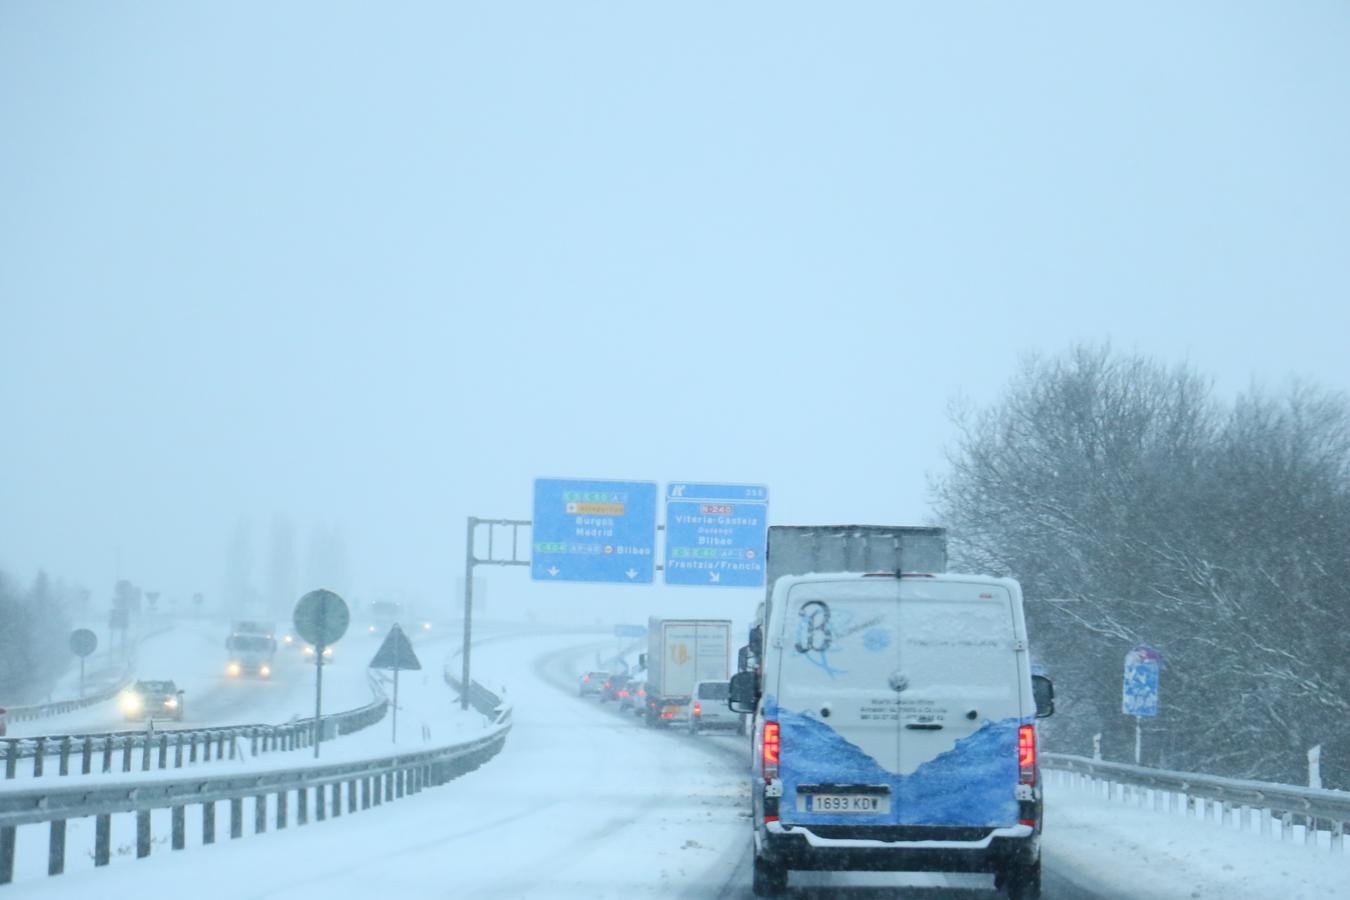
863, 847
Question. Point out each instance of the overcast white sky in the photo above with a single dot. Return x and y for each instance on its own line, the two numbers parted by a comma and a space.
380, 265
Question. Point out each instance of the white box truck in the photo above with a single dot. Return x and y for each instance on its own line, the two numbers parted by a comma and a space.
681, 653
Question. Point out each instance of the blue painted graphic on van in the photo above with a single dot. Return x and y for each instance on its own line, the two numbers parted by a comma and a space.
971, 784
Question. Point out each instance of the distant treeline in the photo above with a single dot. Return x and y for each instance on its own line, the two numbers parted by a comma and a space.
1135, 507
34, 636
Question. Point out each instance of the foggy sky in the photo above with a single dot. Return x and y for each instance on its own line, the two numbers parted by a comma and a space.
378, 266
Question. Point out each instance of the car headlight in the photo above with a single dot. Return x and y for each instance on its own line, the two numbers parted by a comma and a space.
287, 639
264, 670
309, 651
171, 703
232, 669
131, 702
372, 629
327, 652
426, 626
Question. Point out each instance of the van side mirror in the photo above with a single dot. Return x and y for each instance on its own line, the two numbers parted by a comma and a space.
743, 696
1043, 689
642, 660
757, 641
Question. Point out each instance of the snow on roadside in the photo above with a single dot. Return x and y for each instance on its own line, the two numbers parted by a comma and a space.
1114, 847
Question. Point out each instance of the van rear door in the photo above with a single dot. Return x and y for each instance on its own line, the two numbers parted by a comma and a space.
837, 645
960, 702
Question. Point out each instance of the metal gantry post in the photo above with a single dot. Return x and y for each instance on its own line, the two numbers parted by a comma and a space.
469, 562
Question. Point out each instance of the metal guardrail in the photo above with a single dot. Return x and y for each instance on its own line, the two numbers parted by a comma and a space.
334, 786
152, 748
1265, 804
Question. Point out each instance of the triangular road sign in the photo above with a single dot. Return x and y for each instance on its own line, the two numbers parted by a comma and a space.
396, 652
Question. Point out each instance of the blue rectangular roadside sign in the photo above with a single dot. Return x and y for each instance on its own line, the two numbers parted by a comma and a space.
594, 531
715, 534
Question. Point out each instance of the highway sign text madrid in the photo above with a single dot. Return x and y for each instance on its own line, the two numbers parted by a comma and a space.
594, 531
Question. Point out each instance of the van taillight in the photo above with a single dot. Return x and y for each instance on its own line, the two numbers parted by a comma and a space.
772, 749
1026, 754
585, 678
698, 708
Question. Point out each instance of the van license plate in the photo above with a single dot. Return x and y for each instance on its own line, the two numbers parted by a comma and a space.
866, 804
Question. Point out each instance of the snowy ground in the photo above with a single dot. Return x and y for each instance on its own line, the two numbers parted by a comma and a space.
586, 803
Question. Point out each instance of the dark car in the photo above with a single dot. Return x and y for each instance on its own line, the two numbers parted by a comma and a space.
592, 683
613, 685
152, 700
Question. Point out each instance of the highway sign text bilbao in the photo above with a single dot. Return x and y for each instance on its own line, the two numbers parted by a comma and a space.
594, 531
715, 534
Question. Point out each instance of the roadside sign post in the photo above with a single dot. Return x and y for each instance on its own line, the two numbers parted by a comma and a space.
396, 653
716, 534
82, 643
1139, 691
321, 618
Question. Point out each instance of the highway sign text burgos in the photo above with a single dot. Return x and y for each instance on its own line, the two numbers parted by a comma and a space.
594, 531
715, 534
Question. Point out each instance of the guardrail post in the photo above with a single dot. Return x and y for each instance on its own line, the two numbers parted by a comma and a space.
234, 745
145, 753
1338, 836
320, 806
1309, 831
142, 834
6, 854
365, 792
337, 799
179, 819
102, 839
1226, 816
38, 753
87, 755
302, 806
260, 814
163, 751
126, 753
56, 848
178, 750
65, 755
192, 747
1265, 821
236, 817
209, 822
253, 742
11, 758
1286, 826
351, 796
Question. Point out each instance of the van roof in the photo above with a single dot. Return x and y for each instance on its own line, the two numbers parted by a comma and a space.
949, 577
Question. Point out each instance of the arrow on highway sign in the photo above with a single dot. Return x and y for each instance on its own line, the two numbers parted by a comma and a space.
714, 577
553, 570
631, 573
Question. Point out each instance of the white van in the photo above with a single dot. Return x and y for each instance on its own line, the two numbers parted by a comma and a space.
895, 729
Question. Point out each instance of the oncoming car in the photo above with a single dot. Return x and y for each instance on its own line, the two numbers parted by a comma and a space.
308, 652
152, 700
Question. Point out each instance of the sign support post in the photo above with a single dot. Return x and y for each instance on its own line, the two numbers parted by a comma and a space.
318, 697
470, 561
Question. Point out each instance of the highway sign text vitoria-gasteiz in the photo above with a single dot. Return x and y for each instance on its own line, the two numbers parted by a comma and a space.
715, 534
594, 531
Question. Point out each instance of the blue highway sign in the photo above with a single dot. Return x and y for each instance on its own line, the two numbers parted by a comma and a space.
594, 531
1139, 695
715, 534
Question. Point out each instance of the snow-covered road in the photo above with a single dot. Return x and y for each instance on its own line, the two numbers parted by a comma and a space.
584, 802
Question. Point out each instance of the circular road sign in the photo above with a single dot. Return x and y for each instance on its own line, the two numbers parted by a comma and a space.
321, 617
83, 642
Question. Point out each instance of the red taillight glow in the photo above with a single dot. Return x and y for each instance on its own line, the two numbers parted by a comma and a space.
772, 749
1026, 754
585, 678
698, 709
623, 693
